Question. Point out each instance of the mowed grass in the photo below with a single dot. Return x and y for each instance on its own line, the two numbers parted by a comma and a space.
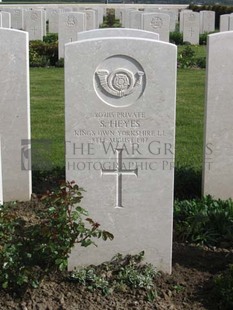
190, 118
47, 113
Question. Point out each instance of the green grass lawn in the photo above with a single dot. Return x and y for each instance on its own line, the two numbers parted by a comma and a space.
47, 113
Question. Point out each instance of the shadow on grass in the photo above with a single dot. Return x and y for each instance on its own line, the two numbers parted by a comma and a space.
47, 180
187, 183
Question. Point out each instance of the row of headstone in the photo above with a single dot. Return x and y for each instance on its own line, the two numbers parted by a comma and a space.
193, 23
226, 22
34, 21
132, 18
154, 22
120, 129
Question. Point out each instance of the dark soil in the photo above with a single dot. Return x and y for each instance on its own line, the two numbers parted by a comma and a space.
189, 287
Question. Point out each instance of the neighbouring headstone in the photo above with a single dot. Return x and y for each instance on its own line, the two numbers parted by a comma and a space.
15, 115
120, 128
69, 25
44, 22
17, 18
6, 19
231, 22
1, 195
33, 24
181, 19
224, 22
135, 19
123, 14
172, 13
218, 157
0, 19
117, 32
207, 21
90, 19
53, 19
157, 22
99, 16
191, 27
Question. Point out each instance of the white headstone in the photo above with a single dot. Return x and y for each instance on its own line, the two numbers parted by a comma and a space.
90, 19
44, 22
15, 115
6, 19
224, 22
33, 24
0, 19
1, 194
53, 18
117, 32
135, 21
69, 25
218, 159
207, 21
231, 22
99, 16
157, 22
17, 18
191, 27
120, 125
172, 13
181, 21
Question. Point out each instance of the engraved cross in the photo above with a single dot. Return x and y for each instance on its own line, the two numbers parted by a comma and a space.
119, 172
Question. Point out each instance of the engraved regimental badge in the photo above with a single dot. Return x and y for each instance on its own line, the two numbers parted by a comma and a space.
119, 81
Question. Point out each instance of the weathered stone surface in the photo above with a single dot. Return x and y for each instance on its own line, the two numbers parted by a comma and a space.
15, 115
120, 126
218, 158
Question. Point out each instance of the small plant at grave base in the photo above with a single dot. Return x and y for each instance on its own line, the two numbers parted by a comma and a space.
204, 221
176, 37
118, 275
186, 58
28, 251
223, 291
